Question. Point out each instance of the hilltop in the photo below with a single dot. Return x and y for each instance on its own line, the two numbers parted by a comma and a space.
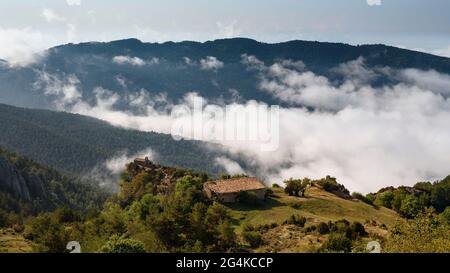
318, 206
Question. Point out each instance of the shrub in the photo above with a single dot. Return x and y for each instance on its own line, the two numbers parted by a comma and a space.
410, 207
386, 199
248, 227
446, 215
332, 226
311, 228
344, 222
358, 229
268, 193
399, 195
276, 186
297, 187
440, 195
427, 233
248, 198
294, 205
253, 238
323, 228
362, 198
296, 220
19, 228
337, 242
330, 184
226, 238
118, 244
3, 218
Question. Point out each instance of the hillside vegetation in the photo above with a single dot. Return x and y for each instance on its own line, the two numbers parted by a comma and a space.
27, 188
74, 144
164, 209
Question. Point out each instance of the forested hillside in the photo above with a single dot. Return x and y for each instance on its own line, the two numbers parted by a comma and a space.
27, 188
76, 144
163, 209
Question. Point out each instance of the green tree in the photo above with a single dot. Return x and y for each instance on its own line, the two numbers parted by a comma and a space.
226, 238
363, 198
427, 233
440, 195
399, 195
385, 199
199, 231
48, 234
445, 215
337, 242
296, 187
117, 244
410, 207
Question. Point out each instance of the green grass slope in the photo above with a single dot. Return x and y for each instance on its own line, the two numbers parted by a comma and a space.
317, 206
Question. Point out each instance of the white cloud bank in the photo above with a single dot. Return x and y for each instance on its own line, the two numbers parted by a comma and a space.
107, 174
367, 137
135, 61
211, 63
230, 166
21, 47
443, 52
128, 60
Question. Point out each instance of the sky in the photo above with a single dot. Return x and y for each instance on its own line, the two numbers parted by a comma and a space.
33, 25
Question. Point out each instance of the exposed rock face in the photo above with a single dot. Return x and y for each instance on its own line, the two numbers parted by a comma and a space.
12, 181
23, 185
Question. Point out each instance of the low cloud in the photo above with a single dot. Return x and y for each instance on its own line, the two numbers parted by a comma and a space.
211, 63
116, 165
368, 137
135, 61
107, 174
129, 60
232, 167
444, 52
65, 90
23, 47
188, 61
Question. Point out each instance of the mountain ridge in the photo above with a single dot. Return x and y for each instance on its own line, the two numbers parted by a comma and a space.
92, 63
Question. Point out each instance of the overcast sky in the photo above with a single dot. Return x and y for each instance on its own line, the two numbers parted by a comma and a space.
37, 24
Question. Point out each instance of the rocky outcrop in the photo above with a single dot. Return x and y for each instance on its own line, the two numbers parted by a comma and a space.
20, 184
12, 181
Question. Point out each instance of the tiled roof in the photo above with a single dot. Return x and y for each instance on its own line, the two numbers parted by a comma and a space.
235, 185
